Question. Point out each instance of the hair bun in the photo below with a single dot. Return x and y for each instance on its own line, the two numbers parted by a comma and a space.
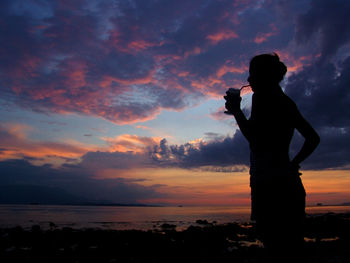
282, 68
269, 66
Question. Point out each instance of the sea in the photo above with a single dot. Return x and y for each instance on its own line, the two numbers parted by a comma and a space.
130, 217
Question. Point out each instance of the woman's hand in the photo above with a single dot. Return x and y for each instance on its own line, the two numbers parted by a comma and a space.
294, 168
233, 103
233, 106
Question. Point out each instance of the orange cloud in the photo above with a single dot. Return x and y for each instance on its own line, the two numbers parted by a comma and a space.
27, 67
107, 80
141, 44
129, 117
263, 37
213, 86
131, 143
16, 144
133, 46
228, 68
194, 51
293, 63
74, 75
221, 35
143, 127
75, 96
183, 74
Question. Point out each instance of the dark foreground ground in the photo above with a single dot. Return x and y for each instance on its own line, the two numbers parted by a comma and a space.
327, 236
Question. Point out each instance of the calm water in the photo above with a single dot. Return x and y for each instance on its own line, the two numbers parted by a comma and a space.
143, 218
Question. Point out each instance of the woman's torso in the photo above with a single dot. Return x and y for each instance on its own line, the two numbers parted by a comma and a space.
272, 127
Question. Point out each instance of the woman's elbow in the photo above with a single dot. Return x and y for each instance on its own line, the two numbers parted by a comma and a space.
315, 139
318, 139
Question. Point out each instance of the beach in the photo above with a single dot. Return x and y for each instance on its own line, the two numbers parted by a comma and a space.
327, 239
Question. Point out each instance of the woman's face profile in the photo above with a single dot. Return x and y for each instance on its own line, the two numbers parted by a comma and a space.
255, 81
260, 79
265, 72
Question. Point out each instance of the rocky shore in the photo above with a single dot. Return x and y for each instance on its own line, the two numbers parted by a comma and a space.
327, 239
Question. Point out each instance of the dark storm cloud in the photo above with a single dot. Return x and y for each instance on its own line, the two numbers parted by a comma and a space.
330, 21
73, 180
321, 89
231, 154
321, 92
219, 154
229, 151
333, 151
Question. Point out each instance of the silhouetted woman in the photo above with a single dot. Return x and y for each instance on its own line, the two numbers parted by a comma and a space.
277, 193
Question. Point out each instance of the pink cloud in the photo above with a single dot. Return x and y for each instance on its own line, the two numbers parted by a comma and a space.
131, 143
230, 68
15, 144
296, 63
221, 35
74, 75
263, 37
143, 127
220, 115
107, 80
95, 60
194, 51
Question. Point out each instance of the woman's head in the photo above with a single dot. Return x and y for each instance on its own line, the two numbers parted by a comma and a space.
266, 71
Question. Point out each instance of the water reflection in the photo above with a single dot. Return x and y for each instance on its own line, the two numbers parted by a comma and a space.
142, 218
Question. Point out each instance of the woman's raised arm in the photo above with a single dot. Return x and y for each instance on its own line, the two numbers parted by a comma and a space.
234, 107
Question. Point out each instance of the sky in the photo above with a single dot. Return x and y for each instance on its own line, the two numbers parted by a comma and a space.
122, 100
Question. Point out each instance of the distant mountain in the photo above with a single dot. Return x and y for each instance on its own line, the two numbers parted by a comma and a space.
45, 195
341, 204
117, 204
35, 194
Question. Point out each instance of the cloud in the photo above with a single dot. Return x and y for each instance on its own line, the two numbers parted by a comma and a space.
128, 152
14, 143
143, 127
328, 22
333, 152
126, 62
221, 152
221, 36
320, 91
319, 87
214, 152
100, 160
263, 37
231, 154
220, 115
130, 143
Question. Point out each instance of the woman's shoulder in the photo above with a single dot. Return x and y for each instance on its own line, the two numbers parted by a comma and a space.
288, 102
290, 108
